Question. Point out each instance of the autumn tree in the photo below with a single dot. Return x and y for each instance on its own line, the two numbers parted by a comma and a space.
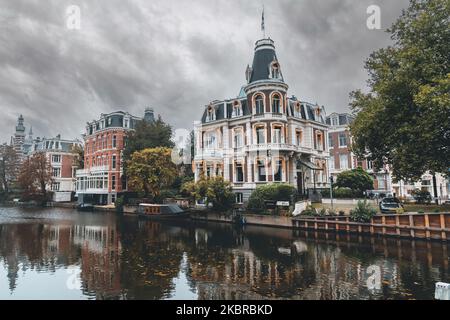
150, 171
9, 166
216, 191
35, 176
404, 119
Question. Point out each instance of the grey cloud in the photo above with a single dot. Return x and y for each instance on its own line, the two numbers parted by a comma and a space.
175, 56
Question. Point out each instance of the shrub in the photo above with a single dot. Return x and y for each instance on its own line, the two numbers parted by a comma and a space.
273, 192
343, 193
309, 211
363, 212
216, 191
357, 180
120, 202
421, 196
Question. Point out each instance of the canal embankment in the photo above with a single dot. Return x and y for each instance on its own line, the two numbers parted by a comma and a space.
426, 226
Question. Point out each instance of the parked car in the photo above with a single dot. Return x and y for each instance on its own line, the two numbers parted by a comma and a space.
390, 205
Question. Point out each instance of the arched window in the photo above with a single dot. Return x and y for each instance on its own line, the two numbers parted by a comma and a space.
276, 104
259, 104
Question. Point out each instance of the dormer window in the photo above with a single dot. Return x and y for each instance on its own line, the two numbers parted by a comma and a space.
297, 110
318, 113
259, 104
237, 110
210, 114
275, 70
334, 121
276, 104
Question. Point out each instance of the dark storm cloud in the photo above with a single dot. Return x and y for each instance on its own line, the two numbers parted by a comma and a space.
175, 56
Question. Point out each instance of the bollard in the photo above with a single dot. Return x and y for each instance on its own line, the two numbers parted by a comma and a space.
442, 291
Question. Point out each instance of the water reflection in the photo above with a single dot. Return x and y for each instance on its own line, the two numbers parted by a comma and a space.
125, 258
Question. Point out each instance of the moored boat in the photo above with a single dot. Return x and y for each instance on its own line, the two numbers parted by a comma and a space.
161, 211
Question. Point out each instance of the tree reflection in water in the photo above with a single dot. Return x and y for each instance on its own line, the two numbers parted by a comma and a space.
127, 258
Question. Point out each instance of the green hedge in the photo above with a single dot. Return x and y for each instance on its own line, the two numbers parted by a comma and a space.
342, 193
273, 192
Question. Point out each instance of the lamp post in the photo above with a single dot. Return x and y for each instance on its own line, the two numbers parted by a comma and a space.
331, 191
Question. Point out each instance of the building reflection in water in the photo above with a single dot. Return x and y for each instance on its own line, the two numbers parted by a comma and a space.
125, 258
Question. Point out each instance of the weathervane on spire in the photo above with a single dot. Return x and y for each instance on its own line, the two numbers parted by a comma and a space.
263, 27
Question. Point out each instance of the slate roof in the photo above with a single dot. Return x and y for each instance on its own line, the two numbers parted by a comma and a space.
261, 64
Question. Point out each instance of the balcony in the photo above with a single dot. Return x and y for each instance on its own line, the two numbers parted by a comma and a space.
272, 146
97, 169
208, 153
270, 116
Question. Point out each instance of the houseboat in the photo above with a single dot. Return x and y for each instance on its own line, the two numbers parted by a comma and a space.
161, 211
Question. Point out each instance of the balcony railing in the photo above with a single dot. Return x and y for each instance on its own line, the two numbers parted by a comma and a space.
270, 115
96, 169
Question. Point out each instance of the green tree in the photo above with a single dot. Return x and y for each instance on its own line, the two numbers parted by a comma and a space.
150, 171
215, 191
220, 194
148, 135
404, 120
357, 180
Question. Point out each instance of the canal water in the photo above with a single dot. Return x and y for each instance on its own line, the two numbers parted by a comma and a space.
65, 254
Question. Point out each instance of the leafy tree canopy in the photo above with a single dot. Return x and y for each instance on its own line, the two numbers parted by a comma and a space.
356, 179
148, 135
150, 171
404, 120
216, 191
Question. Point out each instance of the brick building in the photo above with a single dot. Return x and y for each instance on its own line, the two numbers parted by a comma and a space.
61, 158
102, 178
341, 157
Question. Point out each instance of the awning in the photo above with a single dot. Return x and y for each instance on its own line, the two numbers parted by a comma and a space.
307, 164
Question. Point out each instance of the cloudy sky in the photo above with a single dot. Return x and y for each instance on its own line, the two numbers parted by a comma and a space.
174, 56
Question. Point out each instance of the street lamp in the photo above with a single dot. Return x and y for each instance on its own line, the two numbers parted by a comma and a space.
331, 191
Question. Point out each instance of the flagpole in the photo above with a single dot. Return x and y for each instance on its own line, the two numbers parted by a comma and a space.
263, 27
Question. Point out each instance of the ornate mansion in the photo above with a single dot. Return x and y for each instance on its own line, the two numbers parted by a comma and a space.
263, 135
